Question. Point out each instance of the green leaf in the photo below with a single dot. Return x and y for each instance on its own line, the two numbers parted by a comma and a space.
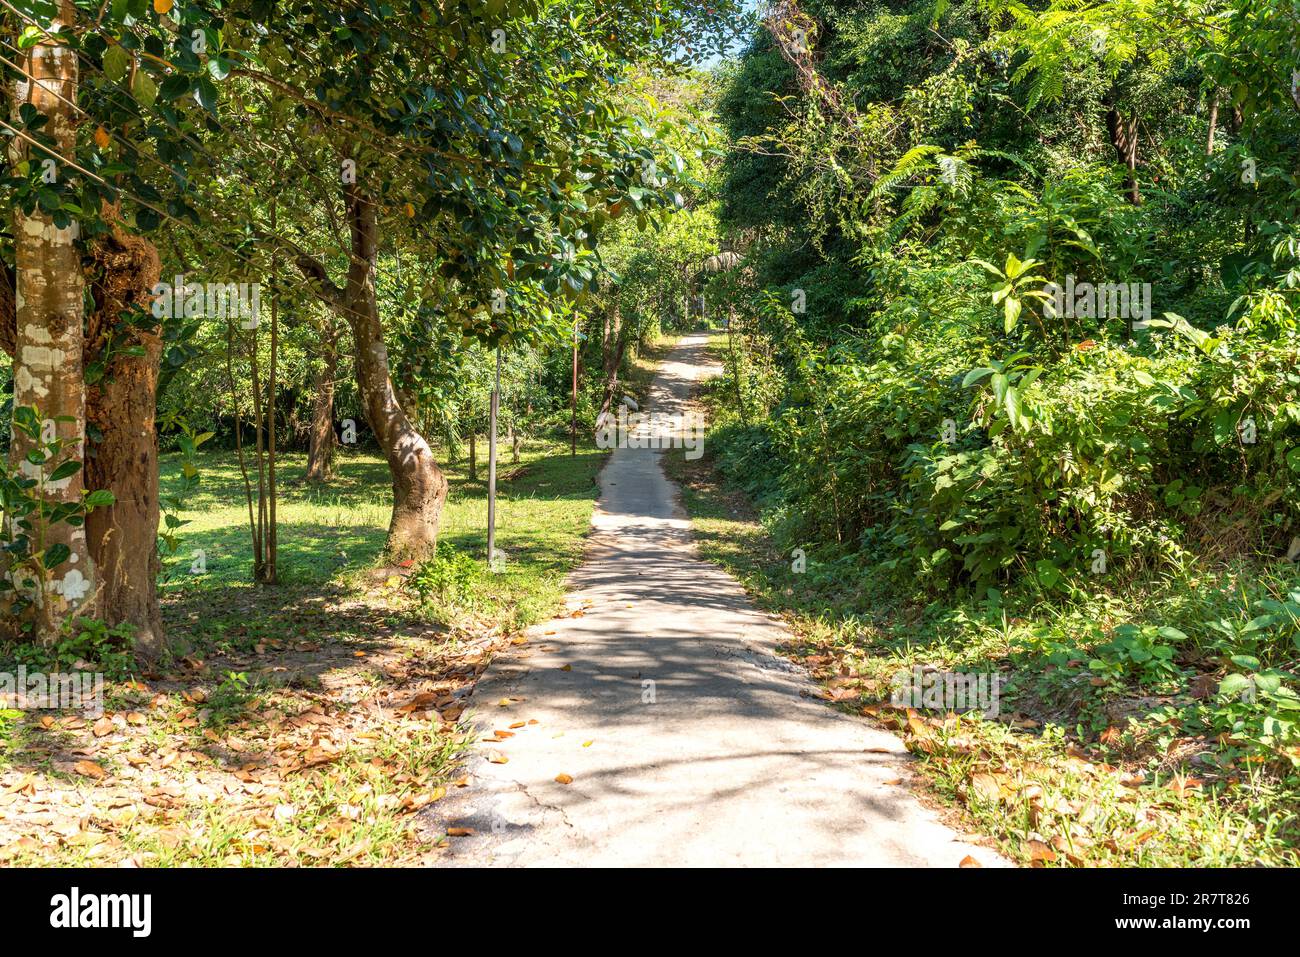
55, 555
1259, 623
1048, 573
999, 383
1233, 685
116, 62
1011, 313
144, 89
206, 95
1013, 408
30, 36
65, 470
1225, 426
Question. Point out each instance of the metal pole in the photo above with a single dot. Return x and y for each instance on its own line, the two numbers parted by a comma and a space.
573, 399
492, 466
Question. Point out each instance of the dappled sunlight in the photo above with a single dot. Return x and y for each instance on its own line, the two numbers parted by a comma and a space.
662, 697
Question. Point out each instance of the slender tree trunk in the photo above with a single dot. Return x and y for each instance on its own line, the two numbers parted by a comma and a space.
1123, 137
259, 452
323, 442
1238, 120
608, 332
271, 568
254, 528
122, 407
419, 487
615, 346
1214, 123
48, 337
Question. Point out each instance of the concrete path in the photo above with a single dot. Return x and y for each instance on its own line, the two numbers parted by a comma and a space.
688, 740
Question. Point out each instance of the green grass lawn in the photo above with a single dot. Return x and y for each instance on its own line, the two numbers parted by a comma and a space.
336, 532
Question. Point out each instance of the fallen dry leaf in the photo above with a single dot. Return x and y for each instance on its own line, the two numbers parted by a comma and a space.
89, 769
986, 787
1039, 853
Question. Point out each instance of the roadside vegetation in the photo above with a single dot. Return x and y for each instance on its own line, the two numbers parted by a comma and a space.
1010, 386
1122, 737
303, 725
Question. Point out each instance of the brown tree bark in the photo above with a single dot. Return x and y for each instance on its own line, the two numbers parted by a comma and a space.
323, 442
1214, 123
612, 351
419, 487
122, 407
1123, 137
48, 338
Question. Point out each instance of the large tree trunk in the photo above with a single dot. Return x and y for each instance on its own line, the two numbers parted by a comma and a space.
122, 539
320, 452
122, 407
419, 487
48, 341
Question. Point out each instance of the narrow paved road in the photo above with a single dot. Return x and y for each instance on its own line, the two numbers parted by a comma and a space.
688, 740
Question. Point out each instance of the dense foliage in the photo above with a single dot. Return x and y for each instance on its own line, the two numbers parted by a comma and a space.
1017, 328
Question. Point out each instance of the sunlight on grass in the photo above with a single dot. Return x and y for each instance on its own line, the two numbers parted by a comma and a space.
543, 510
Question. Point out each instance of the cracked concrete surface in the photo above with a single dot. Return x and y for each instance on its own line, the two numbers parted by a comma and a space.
688, 740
